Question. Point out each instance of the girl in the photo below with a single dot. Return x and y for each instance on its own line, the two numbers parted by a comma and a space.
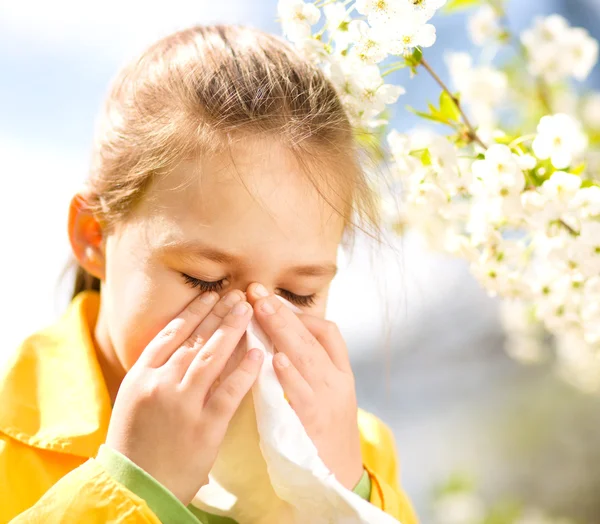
224, 171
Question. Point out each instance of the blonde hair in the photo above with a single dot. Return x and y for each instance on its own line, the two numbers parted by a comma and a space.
195, 91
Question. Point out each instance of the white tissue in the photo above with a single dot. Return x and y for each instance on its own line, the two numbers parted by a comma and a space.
268, 470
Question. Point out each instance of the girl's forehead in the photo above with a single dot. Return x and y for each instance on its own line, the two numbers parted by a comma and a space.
252, 198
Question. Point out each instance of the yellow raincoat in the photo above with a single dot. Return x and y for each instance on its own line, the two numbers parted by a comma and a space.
54, 415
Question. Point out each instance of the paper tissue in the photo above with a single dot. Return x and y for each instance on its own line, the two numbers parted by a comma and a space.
268, 470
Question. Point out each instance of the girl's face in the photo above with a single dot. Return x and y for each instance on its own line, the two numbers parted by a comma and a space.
212, 233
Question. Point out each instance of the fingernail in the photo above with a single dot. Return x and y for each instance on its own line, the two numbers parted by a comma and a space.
267, 308
283, 361
261, 291
231, 298
240, 309
255, 354
208, 298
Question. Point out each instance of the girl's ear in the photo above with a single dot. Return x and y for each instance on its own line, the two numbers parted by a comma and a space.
85, 236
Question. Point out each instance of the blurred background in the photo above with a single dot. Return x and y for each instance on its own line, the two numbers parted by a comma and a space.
456, 402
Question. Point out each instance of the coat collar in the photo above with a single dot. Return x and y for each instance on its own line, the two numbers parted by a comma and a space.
52, 390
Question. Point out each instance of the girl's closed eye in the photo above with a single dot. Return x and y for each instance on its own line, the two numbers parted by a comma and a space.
203, 285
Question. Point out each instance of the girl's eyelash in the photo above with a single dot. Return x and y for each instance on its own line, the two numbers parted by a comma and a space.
305, 301
300, 300
202, 284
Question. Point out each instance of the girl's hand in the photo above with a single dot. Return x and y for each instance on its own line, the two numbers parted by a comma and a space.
314, 370
168, 418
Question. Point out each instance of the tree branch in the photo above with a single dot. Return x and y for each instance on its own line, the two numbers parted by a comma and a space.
471, 133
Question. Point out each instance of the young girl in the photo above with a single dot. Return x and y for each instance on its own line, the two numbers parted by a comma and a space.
224, 172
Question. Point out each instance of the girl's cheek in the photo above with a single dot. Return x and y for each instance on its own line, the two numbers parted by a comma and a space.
142, 315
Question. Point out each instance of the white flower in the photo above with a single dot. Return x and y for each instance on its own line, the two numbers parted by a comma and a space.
497, 184
313, 49
556, 50
442, 161
586, 248
400, 148
370, 45
559, 138
380, 12
372, 93
443, 153
407, 33
338, 21
543, 49
481, 88
545, 31
557, 253
579, 363
499, 173
461, 246
561, 186
430, 196
483, 25
297, 17
497, 277
362, 89
526, 162
372, 89
586, 202
558, 305
583, 51
539, 210
425, 8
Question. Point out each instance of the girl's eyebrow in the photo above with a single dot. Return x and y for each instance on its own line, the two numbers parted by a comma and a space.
193, 249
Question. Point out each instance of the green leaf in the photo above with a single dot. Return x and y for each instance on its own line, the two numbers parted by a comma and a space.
429, 117
448, 108
577, 170
588, 183
417, 55
426, 157
505, 139
413, 59
456, 5
435, 117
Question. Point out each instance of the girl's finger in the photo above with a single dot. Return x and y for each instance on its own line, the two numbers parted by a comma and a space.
295, 387
209, 362
181, 359
168, 339
291, 337
223, 403
329, 336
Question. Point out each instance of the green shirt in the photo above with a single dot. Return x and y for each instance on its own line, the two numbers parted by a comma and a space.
162, 502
